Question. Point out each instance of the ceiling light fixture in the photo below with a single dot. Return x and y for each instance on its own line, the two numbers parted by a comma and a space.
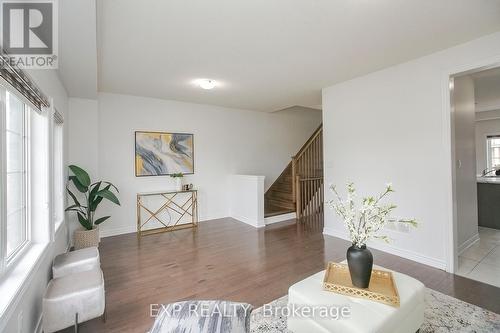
207, 84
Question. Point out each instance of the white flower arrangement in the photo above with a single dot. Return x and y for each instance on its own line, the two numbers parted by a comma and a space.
364, 223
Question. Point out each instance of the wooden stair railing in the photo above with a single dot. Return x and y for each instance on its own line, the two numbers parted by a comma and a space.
309, 196
299, 188
307, 172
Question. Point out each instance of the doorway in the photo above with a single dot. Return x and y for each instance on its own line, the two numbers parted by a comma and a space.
475, 110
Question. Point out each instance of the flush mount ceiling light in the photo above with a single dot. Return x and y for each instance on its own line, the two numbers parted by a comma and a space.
207, 84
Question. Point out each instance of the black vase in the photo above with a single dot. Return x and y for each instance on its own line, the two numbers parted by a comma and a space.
360, 262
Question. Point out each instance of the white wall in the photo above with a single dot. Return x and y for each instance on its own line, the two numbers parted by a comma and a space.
246, 199
226, 141
483, 129
29, 302
487, 91
487, 115
465, 156
84, 130
393, 125
489, 100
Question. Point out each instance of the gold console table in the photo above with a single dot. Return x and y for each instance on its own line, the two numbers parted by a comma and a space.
176, 206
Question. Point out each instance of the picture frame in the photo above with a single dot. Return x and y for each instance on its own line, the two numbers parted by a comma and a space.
163, 153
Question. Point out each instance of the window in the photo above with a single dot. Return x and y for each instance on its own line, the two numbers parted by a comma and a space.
16, 189
58, 176
493, 151
26, 228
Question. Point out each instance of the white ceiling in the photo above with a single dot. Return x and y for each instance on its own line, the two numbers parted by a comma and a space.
269, 54
78, 47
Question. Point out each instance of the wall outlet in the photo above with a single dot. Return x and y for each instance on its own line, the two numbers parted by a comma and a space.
393, 225
404, 228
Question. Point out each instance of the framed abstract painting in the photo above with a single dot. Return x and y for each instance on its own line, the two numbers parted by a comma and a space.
163, 154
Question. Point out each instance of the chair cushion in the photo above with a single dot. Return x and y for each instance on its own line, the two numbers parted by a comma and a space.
81, 293
76, 261
203, 317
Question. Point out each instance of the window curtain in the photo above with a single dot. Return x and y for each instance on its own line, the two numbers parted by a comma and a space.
21, 81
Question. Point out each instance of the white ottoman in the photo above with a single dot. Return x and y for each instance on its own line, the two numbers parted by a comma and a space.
365, 316
76, 261
81, 293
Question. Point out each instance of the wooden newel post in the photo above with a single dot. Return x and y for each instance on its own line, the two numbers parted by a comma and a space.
297, 197
294, 174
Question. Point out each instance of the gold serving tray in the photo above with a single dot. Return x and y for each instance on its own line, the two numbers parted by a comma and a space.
382, 288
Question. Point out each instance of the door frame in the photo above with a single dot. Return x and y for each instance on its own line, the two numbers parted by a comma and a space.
451, 246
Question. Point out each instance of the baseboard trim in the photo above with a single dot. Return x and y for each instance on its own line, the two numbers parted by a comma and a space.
254, 223
133, 228
468, 243
279, 218
117, 231
422, 259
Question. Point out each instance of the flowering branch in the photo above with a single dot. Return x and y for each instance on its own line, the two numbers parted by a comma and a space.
364, 223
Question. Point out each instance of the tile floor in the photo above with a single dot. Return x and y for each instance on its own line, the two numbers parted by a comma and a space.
481, 261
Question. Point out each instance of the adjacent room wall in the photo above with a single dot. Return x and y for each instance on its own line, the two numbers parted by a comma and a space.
485, 127
392, 126
226, 142
29, 303
488, 93
465, 156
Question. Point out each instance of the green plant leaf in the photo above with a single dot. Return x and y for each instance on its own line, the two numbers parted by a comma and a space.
75, 200
102, 219
97, 200
78, 185
82, 175
107, 194
84, 222
94, 190
95, 203
177, 175
110, 184
74, 208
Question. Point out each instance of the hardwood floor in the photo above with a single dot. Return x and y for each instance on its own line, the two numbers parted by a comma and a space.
226, 259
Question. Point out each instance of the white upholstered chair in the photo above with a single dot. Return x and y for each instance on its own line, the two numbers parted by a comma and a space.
76, 292
76, 261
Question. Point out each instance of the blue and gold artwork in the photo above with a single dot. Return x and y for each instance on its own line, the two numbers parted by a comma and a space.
160, 154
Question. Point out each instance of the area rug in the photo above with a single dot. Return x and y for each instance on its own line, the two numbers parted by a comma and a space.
442, 314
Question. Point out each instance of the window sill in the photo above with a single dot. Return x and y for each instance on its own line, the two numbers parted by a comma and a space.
17, 280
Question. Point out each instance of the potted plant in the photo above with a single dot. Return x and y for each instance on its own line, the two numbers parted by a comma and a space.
178, 180
85, 209
364, 221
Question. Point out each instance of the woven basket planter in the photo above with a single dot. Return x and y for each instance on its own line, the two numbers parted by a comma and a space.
83, 238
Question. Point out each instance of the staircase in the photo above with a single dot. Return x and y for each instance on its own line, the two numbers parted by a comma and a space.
279, 199
299, 188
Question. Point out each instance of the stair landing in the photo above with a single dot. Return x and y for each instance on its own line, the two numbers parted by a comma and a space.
271, 210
